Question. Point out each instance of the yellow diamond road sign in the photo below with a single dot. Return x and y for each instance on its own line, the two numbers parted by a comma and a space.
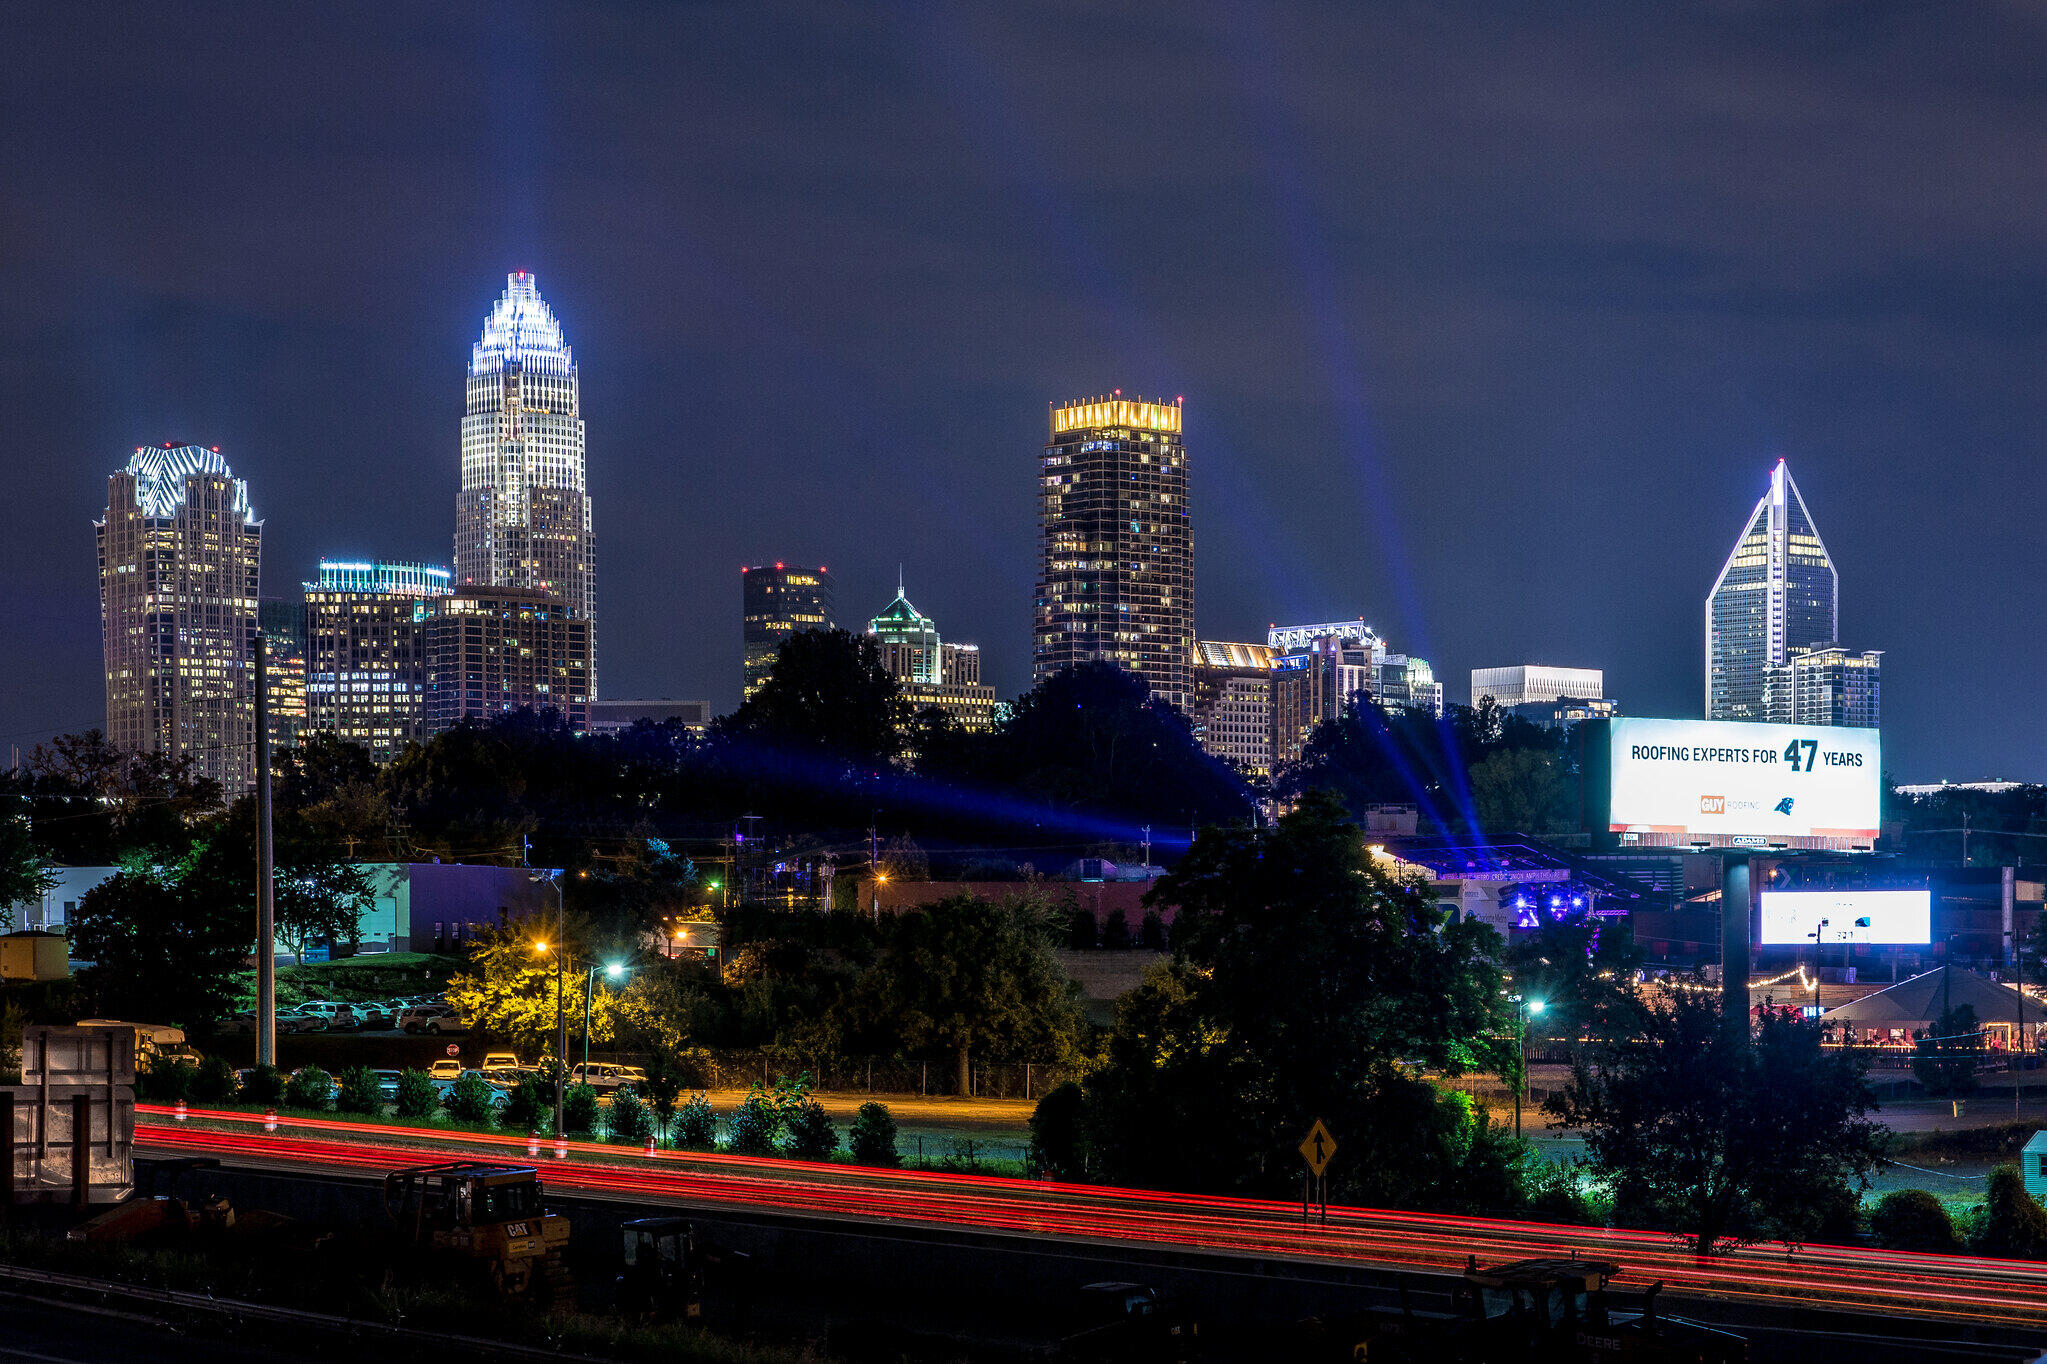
1317, 1148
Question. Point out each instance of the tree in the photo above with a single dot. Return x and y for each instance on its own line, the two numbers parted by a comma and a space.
964, 975
508, 987
417, 1097
1720, 1137
1913, 1219
319, 897
2012, 1221
630, 1120
828, 700
160, 952
1522, 790
1058, 1135
1306, 983
1945, 1060
872, 1137
360, 1092
310, 1087
579, 1110
696, 1126
1583, 969
470, 1098
756, 1125
24, 868
811, 1134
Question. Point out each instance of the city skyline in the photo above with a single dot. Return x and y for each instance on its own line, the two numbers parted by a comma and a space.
1502, 407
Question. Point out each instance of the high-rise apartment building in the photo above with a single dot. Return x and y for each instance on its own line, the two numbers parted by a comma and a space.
522, 518
366, 673
1115, 548
1526, 684
1232, 710
777, 601
1319, 670
490, 650
180, 555
1777, 591
1827, 685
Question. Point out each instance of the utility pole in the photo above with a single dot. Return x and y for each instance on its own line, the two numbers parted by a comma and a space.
1965, 838
1147, 852
1817, 938
266, 875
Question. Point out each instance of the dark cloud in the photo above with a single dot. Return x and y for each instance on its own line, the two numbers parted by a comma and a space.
1489, 318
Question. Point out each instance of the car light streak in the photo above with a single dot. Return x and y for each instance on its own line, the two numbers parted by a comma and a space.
1957, 1288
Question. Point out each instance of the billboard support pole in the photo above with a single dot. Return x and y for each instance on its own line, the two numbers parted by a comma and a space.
1736, 904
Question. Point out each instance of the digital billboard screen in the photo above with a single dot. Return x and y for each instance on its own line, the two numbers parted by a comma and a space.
1723, 781
1888, 917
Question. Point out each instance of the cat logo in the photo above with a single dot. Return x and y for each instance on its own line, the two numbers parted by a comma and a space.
1712, 805
1784, 806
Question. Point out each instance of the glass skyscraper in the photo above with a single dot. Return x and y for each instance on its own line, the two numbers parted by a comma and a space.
179, 555
367, 675
1115, 547
523, 516
1777, 591
777, 601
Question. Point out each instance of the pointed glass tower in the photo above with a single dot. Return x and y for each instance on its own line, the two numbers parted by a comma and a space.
909, 639
522, 518
1777, 591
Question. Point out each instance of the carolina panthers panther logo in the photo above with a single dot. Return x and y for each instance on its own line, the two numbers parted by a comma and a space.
1784, 806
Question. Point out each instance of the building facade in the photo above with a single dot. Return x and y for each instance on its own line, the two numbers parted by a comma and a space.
1232, 711
490, 650
366, 668
616, 717
1115, 546
1777, 591
1526, 684
933, 675
908, 641
282, 624
1830, 686
777, 601
522, 518
180, 555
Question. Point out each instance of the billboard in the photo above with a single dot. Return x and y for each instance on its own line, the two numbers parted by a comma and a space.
1789, 917
1732, 783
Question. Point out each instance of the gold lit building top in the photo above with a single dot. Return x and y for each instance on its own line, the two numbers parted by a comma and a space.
1117, 411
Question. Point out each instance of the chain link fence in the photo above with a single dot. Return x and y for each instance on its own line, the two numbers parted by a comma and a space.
889, 1075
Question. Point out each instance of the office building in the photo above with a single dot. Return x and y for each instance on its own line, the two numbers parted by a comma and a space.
1827, 685
933, 675
180, 552
1564, 714
366, 670
490, 650
282, 624
777, 601
908, 641
1777, 591
1409, 683
617, 717
1526, 684
1115, 549
522, 518
1232, 710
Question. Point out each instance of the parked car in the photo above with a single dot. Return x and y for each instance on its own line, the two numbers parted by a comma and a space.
500, 1060
500, 1095
241, 1024
375, 1017
340, 1017
434, 1020
601, 1076
296, 1021
387, 1085
447, 1068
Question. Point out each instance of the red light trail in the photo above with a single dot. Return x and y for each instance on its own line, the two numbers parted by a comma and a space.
1956, 1288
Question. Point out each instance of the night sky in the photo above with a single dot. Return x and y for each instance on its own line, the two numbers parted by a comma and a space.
1489, 325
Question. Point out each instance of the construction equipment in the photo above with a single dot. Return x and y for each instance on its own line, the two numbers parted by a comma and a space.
1126, 1321
664, 1272
1531, 1310
489, 1215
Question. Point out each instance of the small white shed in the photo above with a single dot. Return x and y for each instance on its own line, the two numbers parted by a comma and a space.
2033, 1165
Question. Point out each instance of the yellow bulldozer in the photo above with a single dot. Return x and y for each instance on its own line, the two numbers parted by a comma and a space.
489, 1215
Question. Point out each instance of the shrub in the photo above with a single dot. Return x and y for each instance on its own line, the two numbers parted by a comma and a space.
579, 1111
470, 1098
359, 1092
1080, 930
417, 1097
2013, 1223
632, 1122
309, 1087
1058, 1144
755, 1126
214, 1081
166, 1082
1116, 931
1557, 1193
696, 1126
873, 1136
529, 1107
263, 1085
1151, 932
811, 1134
1913, 1219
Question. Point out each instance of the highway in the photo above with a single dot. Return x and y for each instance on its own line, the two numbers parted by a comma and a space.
1956, 1289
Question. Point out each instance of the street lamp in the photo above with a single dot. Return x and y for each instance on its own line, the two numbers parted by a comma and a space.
1816, 940
561, 1018
1524, 1007
612, 969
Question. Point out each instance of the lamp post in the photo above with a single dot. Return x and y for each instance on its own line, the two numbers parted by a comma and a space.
1523, 1008
1818, 929
561, 1017
614, 970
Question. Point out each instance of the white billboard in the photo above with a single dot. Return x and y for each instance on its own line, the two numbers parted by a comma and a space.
1727, 780
1791, 917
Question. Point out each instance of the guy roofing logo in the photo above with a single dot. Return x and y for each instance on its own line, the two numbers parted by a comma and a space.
1712, 805
1784, 806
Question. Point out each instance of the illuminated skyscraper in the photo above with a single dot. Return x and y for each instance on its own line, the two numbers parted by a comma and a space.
1115, 549
493, 650
932, 674
179, 556
777, 601
1777, 591
366, 649
908, 640
522, 518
